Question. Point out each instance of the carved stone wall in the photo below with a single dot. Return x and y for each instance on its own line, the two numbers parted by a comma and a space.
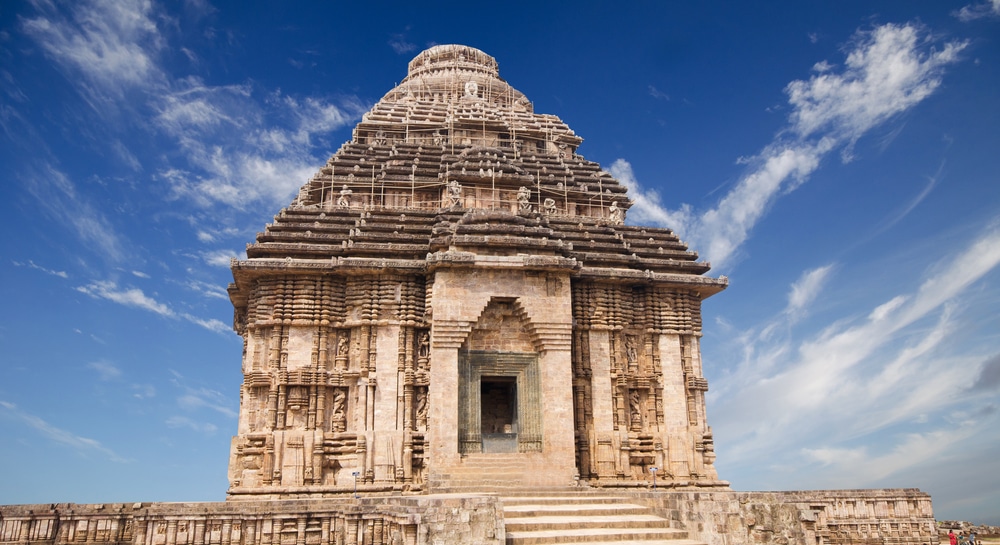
348, 521
638, 387
503, 322
316, 349
818, 517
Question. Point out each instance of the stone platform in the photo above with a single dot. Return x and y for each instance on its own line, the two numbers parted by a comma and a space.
894, 516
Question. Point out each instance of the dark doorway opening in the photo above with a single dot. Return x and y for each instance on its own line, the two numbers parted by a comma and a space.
498, 413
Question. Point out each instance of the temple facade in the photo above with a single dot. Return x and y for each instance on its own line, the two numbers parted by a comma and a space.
455, 296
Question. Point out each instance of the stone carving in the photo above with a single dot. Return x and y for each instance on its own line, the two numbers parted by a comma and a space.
423, 352
634, 408
344, 201
549, 206
631, 353
421, 412
524, 199
339, 410
341, 355
616, 215
471, 88
454, 193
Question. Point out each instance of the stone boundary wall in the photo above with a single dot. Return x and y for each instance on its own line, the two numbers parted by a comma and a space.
811, 517
413, 520
819, 517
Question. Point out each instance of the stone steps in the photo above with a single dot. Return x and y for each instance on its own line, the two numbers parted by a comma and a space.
592, 519
479, 472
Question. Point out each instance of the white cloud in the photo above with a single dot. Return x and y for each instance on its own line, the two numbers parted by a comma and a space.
646, 206
132, 297
111, 43
214, 291
143, 391
400, 45
135, 297
105, 369
658, 94
219, 258
237, 145
892, 367
240, 149
185, 422
839, 456
883, 310
81, 444
806, 288
888, 71
194, 399
982, 10
58, 196
212, 324
723, 229
31, 264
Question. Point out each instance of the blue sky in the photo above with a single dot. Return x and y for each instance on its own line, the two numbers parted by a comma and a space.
838, 161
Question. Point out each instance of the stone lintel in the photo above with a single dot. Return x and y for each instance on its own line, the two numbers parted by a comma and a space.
704, 285
458, 259
346, 265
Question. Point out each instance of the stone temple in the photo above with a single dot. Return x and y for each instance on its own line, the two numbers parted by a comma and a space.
452, 336
456, 287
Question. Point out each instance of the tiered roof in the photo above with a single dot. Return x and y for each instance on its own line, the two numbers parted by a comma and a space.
454, 161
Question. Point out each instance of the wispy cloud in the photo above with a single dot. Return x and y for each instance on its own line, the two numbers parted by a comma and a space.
237, 145
658, 94
214, 291
400, 44
111, 44
184, 422
859, 376
219, 258
806, 288
143, 391
211, 324
981, 10
105, 369
240, 149
61, 201
193, 399
989, 375
131, 297
83, 445
31, 264
136, 298
887, 71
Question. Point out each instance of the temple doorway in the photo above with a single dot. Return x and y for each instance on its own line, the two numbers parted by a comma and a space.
498, 414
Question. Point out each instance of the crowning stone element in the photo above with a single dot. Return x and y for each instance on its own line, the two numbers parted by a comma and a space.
453, 303
458, 215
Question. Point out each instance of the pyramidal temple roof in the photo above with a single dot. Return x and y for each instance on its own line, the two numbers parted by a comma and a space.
453, 161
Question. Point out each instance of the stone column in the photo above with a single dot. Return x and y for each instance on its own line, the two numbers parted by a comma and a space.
443, 395
675, 411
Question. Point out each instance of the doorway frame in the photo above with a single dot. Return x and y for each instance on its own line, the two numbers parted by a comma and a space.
523, 368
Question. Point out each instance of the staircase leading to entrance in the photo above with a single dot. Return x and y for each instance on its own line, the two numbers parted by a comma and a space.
595, 520
500, 473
